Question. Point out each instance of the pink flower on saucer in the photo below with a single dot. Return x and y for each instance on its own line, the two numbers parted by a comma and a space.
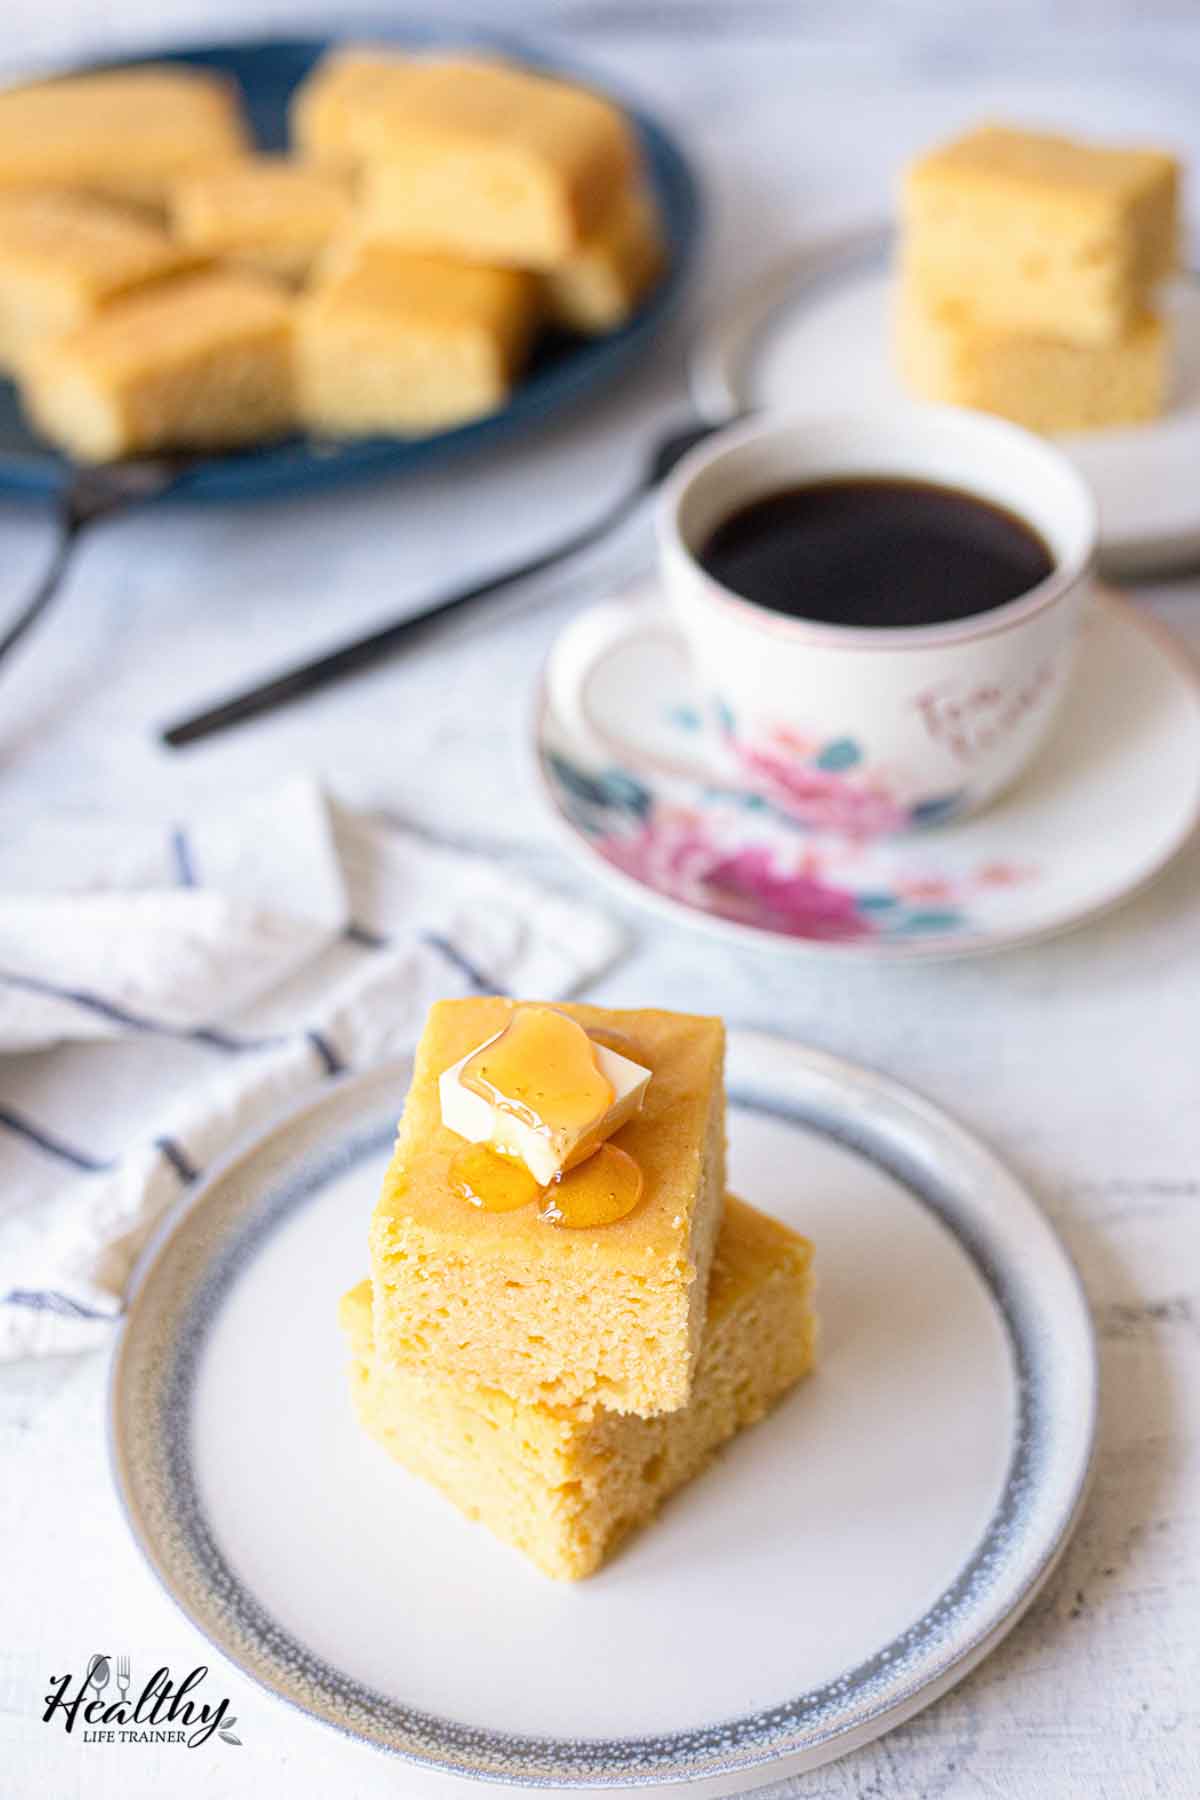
794, 900
825, 800
673, 853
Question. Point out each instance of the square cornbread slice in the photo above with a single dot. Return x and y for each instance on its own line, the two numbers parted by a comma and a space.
64, 255
127, 133
197, 361
405, 344
1039, 233
610, 1316
265, 212
599, 287
1044, 383
492, 163
331, 111
567, 1489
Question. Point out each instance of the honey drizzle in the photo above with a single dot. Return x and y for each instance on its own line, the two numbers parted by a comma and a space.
483, 1178
599, 1191
542, 1070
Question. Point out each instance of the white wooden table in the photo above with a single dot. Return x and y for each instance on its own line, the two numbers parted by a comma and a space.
1079, 1059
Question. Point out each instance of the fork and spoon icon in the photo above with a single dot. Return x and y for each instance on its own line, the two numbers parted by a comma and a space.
99, 1673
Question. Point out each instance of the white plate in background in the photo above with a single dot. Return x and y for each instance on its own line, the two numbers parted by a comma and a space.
813, 336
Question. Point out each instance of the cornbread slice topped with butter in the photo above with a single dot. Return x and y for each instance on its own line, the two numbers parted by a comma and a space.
1035, 232
475, 158
64, 255
201, 360
587, 1290
566, 1487
128, 133
266, 212
542, 1092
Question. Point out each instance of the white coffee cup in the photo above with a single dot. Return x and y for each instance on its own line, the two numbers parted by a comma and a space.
882, 728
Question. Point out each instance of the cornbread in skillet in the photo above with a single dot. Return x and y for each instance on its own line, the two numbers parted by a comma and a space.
197, 361
392, 342
566, 1487
64, 255
1047, 384
128, 133
600, 286
1039, 233
493, 164
610, 1316
265, 212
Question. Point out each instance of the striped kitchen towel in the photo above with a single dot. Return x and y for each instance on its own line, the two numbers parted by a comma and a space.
162, 995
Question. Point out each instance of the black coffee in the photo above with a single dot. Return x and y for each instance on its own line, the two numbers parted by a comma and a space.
876, 551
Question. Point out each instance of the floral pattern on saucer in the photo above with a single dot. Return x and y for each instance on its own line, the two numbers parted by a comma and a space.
825, 785
739, 856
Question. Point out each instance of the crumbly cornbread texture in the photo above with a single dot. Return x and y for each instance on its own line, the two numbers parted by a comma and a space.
64, 255
266, 212
567, 1489
1046, 384
605, 1317
1040, 233
392, 342
598, 288
128, 133
202, 360
491, 163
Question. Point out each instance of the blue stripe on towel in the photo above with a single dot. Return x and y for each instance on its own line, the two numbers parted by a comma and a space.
46, 1300
370, 940
453, 955
52, 1145
181, 852
325, 1050
122, 1015
225, 1040
178, 1159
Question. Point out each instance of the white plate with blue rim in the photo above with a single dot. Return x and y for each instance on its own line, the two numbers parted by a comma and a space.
816, 860
839, 1567
813, 336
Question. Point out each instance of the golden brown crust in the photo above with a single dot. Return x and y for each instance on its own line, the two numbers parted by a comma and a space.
270, 213
201, 360
610, 1316
388, 341
1040, 233
127, 133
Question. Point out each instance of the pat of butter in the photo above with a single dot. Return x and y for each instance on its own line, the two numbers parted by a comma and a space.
545, 1153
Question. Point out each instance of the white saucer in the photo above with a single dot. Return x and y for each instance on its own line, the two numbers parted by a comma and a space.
840, 1566
814, 337
626, 764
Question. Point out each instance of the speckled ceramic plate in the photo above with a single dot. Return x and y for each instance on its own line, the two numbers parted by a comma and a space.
813, 863
840, 1566
814, 336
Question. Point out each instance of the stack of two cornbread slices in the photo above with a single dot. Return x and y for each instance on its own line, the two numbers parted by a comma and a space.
557, 1382
1029, 267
